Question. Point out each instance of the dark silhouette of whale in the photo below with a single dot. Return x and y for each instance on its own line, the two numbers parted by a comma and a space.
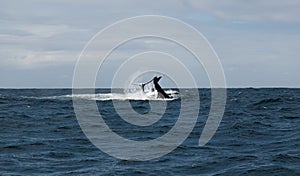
160, 92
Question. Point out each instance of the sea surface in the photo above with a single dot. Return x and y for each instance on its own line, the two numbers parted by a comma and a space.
258, 135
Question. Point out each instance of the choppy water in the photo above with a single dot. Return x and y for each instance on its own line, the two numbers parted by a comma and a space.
259, 135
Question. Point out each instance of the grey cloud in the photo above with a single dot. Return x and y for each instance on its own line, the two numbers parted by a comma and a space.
253, 11
50, 34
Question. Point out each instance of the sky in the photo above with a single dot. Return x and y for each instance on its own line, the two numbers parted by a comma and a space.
257, 41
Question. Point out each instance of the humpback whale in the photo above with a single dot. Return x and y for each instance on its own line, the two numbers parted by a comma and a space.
160, 92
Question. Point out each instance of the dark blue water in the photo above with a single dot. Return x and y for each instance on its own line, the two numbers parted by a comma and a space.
259, 135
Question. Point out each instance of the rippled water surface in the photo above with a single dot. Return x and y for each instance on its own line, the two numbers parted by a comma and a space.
259, 135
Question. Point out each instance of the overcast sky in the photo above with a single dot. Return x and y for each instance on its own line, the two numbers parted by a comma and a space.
257, 41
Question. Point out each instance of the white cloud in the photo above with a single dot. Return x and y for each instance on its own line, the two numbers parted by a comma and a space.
47, 34
45, 31
25, 59
254, 10
28, 46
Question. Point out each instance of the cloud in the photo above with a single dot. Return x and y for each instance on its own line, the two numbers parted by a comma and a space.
25, 59
27, 46
276, 11
50, 34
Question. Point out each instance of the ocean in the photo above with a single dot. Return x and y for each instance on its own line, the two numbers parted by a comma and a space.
258, 135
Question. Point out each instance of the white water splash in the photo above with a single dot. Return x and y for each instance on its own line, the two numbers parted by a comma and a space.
128, 95
151, 95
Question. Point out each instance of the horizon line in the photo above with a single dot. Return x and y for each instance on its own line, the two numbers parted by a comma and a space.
244, 87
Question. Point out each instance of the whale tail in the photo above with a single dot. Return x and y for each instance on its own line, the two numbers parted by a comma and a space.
160, 92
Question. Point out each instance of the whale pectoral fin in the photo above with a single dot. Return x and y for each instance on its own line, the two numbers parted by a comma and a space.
143, 87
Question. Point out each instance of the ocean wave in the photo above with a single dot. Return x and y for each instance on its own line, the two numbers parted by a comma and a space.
266, 101
112, 96
251, 140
